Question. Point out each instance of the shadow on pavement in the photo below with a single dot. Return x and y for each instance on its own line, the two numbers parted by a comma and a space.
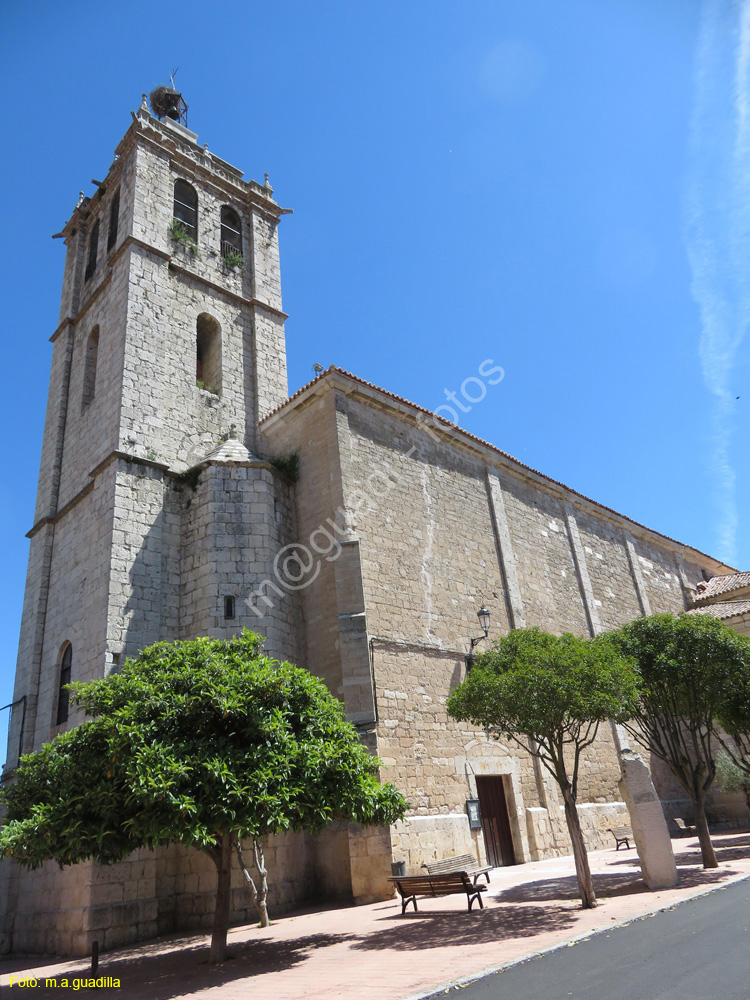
439, 929
731, 841
727, 849
160, 976
735, 850
605, 886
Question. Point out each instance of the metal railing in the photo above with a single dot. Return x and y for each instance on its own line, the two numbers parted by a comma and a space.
230, 250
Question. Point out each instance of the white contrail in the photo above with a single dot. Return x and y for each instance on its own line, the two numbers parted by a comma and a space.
718, 229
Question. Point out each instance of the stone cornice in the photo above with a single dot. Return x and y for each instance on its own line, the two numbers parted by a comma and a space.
148, 463
84, 492
198, 162
54, 518
94, 297
235, 296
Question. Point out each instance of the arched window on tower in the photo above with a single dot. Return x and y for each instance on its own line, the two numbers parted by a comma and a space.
63, 698
186, 208
231, 233
208, 354
114, 218
89, 368
93, 247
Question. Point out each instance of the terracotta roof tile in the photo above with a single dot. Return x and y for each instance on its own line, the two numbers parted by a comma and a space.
718, 585
723, 610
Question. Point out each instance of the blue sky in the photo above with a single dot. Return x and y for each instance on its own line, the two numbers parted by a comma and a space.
563, 188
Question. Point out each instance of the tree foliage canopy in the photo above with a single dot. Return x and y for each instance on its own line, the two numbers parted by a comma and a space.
192, 741
692, 668
548, 694
554, 690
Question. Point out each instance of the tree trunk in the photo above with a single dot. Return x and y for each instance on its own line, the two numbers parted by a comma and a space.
708, 855
258, 896
583, 872
222, 857
260, 864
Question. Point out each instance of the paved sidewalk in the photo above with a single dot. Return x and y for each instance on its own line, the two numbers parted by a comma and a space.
373, 952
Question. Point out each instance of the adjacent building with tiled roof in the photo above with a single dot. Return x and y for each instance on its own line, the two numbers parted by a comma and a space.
727, 597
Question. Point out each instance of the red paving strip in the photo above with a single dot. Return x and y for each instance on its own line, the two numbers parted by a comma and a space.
372, 951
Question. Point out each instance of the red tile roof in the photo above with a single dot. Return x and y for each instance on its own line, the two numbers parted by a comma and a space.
725, 584
723, 610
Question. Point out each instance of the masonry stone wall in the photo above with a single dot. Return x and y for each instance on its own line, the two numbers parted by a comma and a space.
317, 493
608, 567
76, 605
246, 301
545, 564
91, 429
234, 524
54, 423
63, 911
436, 528
145, 572
166, 416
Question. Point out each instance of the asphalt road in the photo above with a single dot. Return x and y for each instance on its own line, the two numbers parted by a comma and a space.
700, 950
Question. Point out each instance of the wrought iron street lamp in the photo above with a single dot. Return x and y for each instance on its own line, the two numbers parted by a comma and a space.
484, 620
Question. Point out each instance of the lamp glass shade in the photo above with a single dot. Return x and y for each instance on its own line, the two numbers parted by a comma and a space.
484, 619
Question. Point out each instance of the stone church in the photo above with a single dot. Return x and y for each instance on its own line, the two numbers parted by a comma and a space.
182, 492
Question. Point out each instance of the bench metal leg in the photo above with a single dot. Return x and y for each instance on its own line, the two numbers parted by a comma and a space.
476, 895
405, 902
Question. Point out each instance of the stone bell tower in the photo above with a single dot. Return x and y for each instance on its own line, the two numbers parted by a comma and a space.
155, 515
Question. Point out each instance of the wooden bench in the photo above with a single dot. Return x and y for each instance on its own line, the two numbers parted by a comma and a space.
461, 863
622, 835
683, 829
411, 886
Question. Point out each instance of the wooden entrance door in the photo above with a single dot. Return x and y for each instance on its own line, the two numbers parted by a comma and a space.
495, 822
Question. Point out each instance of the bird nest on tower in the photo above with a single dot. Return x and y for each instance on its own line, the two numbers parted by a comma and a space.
168, 103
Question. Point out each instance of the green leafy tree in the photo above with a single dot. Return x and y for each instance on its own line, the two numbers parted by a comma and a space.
548, 694
733, 763
731, 777
690, 666
203, 743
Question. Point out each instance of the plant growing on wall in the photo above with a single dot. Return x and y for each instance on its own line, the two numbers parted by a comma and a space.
206, 387
181, 234
692, 669
205, 743
288, 465
234, 259
550, 693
